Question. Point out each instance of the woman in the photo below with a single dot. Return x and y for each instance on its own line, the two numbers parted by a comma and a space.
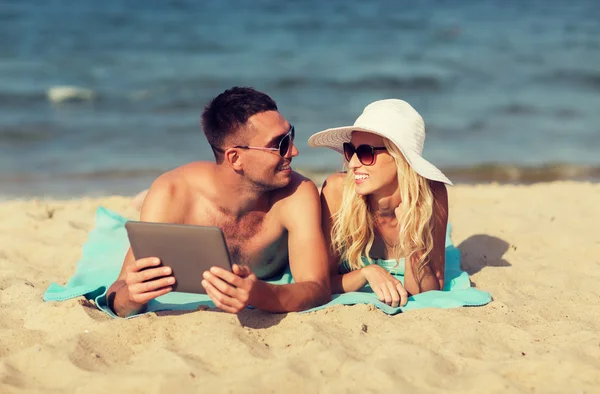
386, 217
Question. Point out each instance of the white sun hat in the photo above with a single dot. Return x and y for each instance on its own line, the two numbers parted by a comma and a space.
395, 120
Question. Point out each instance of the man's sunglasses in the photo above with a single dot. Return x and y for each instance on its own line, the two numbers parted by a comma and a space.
365, 153
284, 144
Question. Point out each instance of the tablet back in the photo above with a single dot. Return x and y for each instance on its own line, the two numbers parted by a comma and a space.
188, 250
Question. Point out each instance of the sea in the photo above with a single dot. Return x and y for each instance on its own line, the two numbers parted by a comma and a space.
101, 97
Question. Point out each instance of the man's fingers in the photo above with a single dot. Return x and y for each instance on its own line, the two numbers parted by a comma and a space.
148, 274
144, 298
215, 296
148, 287
233, 296
144, 263
219, 284
158, 283
241, 270
220, 300
227, 276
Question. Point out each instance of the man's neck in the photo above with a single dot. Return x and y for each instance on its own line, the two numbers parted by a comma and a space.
235, 197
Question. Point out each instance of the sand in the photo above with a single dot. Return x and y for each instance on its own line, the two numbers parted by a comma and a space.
535, 248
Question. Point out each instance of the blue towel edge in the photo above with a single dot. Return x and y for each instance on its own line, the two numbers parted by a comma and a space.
56, 292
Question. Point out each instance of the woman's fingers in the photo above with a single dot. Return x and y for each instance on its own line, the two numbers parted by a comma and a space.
394, 294
379, 293
387, 296
387, 288
403, 294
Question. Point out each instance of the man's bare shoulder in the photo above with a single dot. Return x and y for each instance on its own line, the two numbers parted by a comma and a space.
195, 168
172, 190
188, 176
298, 203
299, 187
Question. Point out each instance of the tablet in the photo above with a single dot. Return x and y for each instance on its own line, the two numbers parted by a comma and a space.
189, 250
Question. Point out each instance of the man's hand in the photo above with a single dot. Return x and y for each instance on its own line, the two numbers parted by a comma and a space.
230, 291
387, 288
144, 283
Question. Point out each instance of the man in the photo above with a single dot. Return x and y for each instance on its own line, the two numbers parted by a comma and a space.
267, 213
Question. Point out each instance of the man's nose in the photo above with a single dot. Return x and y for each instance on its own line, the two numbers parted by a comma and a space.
293, 151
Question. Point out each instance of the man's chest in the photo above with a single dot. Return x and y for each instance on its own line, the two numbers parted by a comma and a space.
257, 239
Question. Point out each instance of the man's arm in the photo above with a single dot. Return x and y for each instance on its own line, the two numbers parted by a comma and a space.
300, 215
138, 282
307, 255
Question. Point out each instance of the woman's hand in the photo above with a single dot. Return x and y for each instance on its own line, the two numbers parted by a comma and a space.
387, 288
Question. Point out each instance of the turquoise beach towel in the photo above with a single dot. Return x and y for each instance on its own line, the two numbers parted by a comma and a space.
107, 244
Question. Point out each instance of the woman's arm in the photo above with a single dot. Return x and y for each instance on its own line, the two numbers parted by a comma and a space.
331, 200
433, 275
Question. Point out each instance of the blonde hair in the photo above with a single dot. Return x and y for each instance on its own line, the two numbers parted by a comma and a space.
353, 231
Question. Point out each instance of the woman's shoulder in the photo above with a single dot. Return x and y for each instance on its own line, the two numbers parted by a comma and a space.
438, 188
334, 182
440, 194
331, 191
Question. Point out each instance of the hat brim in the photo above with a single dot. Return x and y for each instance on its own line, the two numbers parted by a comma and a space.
335, 138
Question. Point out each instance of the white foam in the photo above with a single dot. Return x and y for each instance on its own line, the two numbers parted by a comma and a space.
60, 94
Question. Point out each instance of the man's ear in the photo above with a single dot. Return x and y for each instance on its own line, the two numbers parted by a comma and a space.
233, 158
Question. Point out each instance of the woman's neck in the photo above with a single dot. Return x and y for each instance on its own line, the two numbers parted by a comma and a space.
384, 203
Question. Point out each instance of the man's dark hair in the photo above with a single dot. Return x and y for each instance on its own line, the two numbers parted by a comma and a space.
230, 111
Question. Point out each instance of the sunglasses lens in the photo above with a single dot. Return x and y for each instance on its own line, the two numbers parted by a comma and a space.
284, 146
348, 151
365, 154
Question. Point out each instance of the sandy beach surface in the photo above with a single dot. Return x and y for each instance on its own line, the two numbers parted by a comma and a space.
535, 248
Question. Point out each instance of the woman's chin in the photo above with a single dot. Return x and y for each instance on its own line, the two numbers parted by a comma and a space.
362, 190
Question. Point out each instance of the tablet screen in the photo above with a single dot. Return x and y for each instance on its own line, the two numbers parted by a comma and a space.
189, 250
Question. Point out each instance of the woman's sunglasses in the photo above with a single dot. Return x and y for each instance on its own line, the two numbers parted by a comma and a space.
284, 144
365, 153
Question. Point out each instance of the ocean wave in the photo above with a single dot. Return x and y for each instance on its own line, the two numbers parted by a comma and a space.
27, 134
61, 94
55, 94
528, 109
21, 99
375, 82
99, 175
418, 82
519, 109
587, 79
